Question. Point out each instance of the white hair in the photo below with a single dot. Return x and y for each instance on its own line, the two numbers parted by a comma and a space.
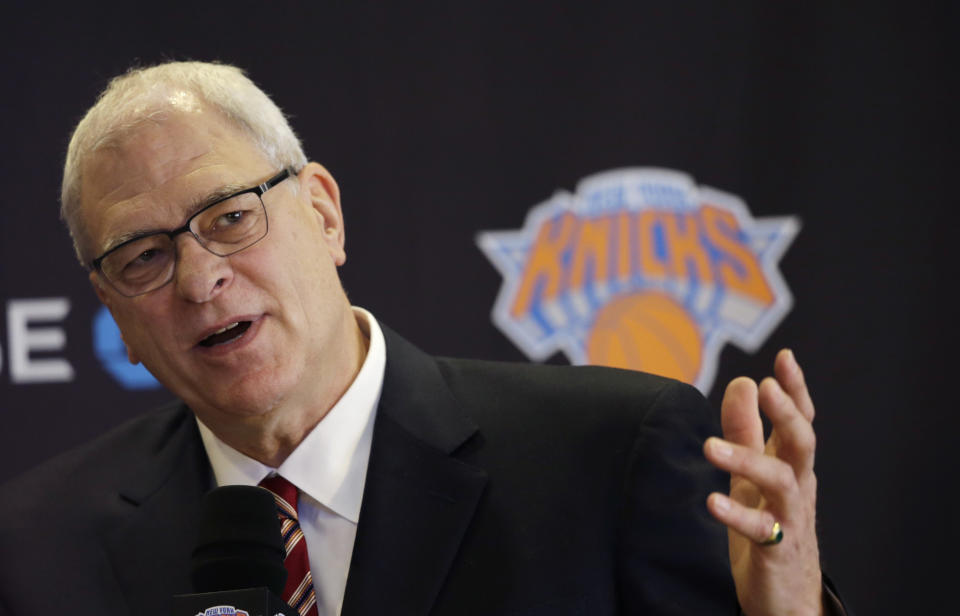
146, 94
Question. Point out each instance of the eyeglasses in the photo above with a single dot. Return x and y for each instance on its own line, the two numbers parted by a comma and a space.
225, 227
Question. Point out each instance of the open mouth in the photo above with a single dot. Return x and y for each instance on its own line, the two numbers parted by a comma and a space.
227, 334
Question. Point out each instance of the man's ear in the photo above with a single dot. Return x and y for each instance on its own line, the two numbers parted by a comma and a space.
324, 195
105, 299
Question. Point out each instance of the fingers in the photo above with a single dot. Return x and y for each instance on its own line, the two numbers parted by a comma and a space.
774, 477
754, 524
739, 416
790, 377
796, 441
786, 401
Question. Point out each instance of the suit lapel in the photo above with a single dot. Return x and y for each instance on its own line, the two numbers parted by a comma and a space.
418, 500
150, 547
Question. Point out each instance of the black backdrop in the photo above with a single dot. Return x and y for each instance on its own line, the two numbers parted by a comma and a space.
440, 121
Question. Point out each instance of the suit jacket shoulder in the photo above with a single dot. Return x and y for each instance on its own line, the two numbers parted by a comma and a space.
107, 460
107, 523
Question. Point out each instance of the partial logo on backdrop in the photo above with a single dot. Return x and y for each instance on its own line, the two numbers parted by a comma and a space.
643, 269
112, 353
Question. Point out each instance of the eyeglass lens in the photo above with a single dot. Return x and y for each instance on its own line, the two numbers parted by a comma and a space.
223, 229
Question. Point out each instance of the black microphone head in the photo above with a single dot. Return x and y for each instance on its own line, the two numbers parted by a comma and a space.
238, 541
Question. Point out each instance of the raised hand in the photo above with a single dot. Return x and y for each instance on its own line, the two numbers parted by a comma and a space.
770, 483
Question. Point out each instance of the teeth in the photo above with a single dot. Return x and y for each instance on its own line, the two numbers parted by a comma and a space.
220, 331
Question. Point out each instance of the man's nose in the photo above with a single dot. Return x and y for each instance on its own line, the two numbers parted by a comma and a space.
200, 275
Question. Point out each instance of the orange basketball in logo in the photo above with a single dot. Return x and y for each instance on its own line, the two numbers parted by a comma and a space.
646, 331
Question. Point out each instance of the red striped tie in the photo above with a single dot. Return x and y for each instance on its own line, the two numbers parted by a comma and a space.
298, 592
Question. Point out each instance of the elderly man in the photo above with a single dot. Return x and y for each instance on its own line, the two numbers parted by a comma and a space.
421, 485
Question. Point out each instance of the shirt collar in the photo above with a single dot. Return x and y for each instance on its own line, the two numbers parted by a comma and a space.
330, 463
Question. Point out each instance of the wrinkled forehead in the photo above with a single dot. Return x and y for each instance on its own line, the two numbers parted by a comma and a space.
144, 158
167, 159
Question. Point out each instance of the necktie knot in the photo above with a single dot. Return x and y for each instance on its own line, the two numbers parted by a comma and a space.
284, 492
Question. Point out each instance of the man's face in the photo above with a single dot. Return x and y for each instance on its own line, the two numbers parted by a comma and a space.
283, 291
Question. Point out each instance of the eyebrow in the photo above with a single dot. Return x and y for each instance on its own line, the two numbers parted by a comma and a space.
195, 206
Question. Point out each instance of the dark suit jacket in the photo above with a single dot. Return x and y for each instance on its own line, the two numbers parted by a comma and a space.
492, 489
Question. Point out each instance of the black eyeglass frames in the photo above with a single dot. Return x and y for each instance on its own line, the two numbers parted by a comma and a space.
225, 227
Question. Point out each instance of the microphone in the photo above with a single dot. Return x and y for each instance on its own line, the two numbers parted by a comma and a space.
237, 564
238, 541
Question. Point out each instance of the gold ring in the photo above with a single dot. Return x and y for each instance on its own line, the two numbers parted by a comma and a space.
776, 535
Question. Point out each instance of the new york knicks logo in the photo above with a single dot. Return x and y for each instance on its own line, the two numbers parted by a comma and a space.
641, 268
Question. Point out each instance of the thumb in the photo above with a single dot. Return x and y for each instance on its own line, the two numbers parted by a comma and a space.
740, 414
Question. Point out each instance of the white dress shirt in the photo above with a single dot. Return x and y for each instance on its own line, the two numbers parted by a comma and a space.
329, 467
